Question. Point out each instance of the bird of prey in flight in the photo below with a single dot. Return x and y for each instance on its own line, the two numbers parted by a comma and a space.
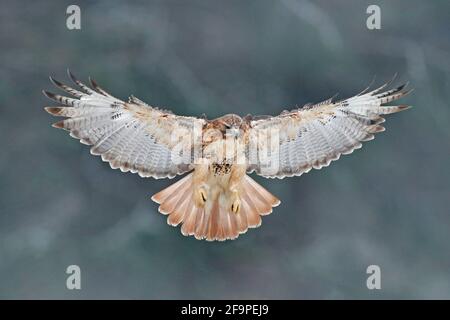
217, 199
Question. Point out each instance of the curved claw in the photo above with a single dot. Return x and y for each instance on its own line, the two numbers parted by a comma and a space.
200, 197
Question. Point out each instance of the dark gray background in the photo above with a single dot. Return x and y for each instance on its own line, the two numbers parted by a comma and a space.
387, 204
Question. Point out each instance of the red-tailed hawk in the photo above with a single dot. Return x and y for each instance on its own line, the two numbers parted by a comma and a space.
217, 200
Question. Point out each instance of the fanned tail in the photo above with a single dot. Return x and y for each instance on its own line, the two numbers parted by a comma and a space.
215, 221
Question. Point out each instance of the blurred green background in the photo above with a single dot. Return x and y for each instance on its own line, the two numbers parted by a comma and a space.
387, 204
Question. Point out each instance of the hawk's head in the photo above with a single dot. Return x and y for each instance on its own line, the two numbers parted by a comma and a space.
229, 125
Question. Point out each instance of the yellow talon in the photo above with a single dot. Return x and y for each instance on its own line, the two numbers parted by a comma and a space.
235, 206
236, 202
200, 197
203, 195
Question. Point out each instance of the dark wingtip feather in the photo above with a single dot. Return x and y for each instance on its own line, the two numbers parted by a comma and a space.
93, 83
406, 84
401, 87
55, 82
96, 87
72, 76
49, 94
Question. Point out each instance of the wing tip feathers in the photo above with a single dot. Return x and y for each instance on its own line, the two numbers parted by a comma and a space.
48, 94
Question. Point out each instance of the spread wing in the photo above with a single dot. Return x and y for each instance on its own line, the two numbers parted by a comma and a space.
132, 136
315, 135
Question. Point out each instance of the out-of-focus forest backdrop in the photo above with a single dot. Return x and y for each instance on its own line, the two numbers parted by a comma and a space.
387, 204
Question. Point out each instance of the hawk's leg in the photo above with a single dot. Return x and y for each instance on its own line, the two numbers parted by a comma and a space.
235, 201
237, 173
200, 192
